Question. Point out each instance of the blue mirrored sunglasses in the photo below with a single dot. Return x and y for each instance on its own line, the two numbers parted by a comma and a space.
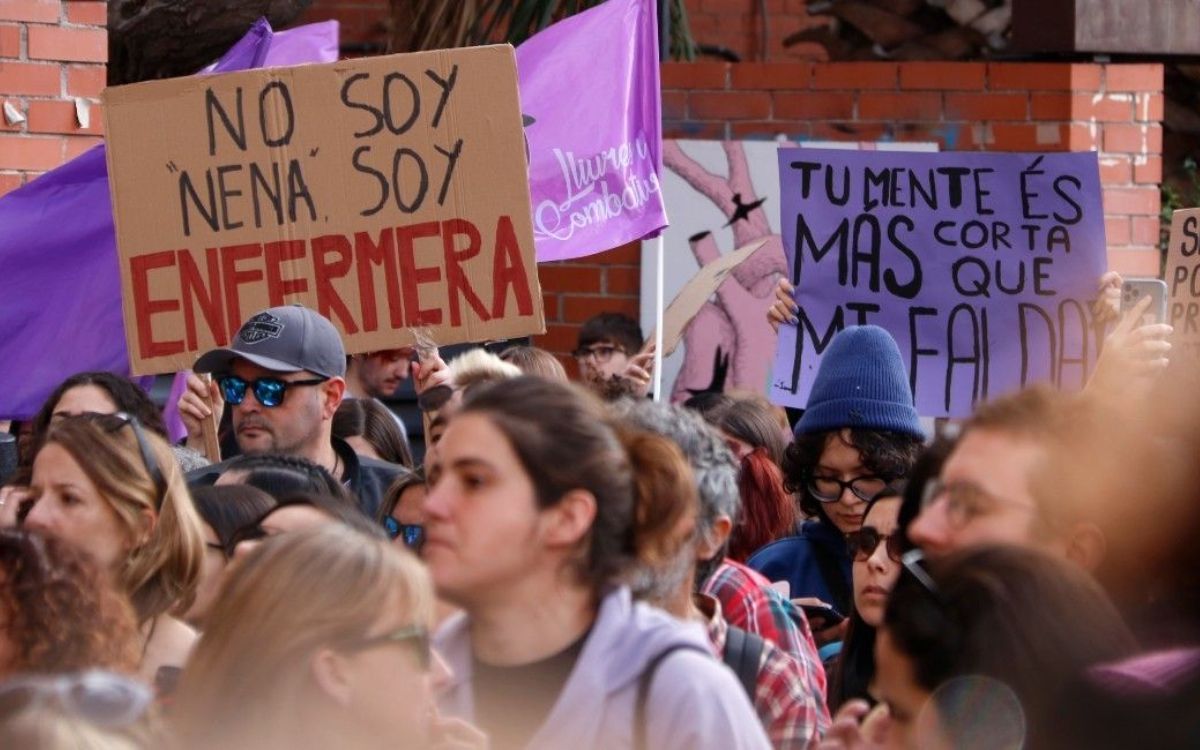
413, 534
268, 391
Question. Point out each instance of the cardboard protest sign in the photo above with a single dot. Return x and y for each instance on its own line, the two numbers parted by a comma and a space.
1183, 283
388, 193
697, 291
981, 266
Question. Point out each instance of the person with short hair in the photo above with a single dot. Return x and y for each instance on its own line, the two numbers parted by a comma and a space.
984, 494
374, 376
791, 711
611, 356
537, 509
109, 487
284, 378
746, 599
320, 639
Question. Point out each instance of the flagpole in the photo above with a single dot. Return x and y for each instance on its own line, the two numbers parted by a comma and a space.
658, 317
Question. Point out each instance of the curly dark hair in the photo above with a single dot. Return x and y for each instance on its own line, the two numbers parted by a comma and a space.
885, 454
62, 614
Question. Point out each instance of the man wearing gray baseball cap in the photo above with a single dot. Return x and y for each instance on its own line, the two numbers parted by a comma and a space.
284, 376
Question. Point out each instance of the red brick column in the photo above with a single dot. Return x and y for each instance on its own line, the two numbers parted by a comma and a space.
51, 54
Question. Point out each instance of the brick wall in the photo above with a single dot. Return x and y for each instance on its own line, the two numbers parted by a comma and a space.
51, 53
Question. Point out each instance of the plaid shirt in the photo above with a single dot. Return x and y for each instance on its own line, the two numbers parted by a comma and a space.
791, 714
748, 602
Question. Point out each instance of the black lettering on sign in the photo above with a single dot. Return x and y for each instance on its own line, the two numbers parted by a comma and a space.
804, 329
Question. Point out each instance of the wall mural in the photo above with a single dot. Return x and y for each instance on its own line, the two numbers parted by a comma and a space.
722, 195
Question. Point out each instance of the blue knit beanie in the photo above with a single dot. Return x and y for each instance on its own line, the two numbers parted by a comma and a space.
861, 384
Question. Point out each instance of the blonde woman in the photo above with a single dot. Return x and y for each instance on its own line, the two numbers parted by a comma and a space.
319, 640
105, 485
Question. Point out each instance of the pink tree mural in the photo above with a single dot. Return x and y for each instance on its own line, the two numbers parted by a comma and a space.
735, 320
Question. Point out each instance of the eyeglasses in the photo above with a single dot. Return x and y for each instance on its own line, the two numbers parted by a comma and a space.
268, 391
601, 352
413, 534
414, 636
102, 698
964, 501
863, 543
119, 420
830, 489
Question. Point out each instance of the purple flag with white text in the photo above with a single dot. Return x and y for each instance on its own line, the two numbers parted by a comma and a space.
591, 98
60, 292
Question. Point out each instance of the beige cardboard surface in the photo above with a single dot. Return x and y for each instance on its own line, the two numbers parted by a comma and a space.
1183, 283
696, 292
387, 193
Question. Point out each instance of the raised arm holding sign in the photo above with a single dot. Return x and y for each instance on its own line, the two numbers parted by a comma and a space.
983, 267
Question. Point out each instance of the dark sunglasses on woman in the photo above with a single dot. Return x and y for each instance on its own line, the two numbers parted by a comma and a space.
863, 543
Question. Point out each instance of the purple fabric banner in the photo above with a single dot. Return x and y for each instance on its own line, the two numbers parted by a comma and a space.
983, 267
591, 98
61, 308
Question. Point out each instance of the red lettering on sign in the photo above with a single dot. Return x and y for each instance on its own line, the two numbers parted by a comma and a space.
329, 302
412, 277
206, 295
278, 287
509, 271
230, 255
144, 307
456, 279
383, 252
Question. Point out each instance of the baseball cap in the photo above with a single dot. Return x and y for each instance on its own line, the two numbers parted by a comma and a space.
284, 339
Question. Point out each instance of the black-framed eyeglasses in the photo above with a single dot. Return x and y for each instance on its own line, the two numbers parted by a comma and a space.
102, 698
601, 352
413, 534
413, 636
863, 543
269, 391
828, 489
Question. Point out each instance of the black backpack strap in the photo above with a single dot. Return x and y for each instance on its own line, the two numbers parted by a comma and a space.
831, 573
643, 690
743, 654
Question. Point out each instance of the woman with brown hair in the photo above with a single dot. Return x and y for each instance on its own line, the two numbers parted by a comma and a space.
537, 509
105, 485
58, 613
319, 640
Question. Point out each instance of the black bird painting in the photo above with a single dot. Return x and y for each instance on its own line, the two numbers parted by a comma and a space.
742, 210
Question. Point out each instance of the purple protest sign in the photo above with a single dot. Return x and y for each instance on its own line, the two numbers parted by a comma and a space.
983, 267
591, 98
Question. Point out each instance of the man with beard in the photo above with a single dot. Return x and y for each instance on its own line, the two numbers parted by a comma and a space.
284, 377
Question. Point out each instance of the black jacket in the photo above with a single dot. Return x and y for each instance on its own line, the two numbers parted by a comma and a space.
367, 478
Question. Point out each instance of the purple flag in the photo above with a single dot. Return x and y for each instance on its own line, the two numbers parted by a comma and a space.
61, 291
983, 267
591, 98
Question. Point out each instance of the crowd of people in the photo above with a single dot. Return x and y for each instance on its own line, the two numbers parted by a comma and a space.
574, 565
